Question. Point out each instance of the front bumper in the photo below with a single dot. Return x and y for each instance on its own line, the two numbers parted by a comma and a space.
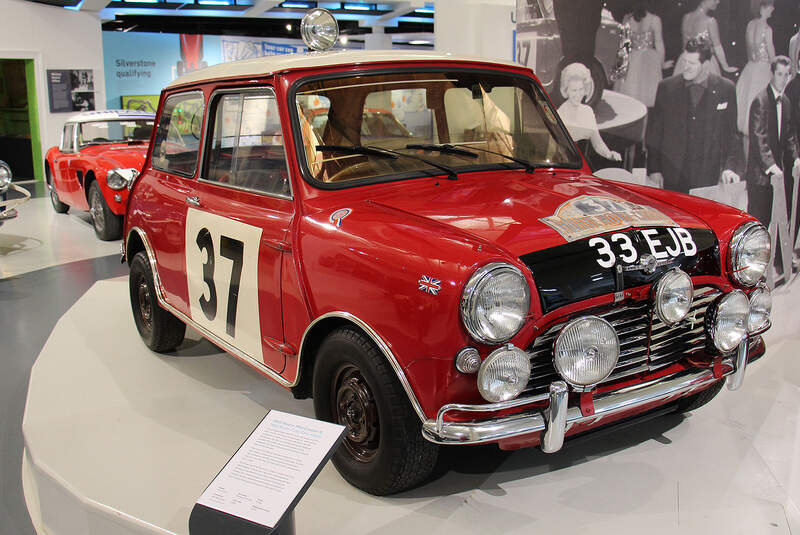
8, 207
554, 421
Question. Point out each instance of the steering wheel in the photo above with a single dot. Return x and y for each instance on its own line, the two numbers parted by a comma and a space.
99, 140
351, 172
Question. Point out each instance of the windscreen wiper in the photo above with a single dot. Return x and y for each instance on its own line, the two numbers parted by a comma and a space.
452, 149
386, 153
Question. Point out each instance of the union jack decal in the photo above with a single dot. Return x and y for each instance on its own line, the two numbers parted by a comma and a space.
430, 285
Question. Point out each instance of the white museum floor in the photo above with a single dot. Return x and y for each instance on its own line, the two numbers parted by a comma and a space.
122, 440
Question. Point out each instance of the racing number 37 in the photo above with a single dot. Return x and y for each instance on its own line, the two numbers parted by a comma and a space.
233, 250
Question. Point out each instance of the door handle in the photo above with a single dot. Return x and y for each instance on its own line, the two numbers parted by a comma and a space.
194, 201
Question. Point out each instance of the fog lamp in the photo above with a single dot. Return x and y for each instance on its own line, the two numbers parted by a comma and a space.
673, 295
586, 351
730, 320
760, 309
504, 374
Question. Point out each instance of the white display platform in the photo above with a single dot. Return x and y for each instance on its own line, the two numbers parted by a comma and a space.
123, 441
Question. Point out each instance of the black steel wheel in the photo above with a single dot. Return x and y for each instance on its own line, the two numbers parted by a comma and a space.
160, 330
354, 385
107, 224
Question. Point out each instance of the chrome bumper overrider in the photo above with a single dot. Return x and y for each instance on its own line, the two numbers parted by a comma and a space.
557, 418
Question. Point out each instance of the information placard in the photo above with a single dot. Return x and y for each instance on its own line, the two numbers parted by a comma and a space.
273, 468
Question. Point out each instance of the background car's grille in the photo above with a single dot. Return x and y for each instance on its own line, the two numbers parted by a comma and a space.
646, 343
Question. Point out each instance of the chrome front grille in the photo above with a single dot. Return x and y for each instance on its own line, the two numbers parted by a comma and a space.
646, 343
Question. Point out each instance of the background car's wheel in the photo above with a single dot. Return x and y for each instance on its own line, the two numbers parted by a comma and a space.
58, 206
160, 330
383, 451
598, 79
107, 224
695, 401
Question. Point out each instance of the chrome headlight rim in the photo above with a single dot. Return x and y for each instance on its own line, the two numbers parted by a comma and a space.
506, 351
736, 248
570, 325
712, 325
761, 289
468, 296
5, 175
660, 287
120, 178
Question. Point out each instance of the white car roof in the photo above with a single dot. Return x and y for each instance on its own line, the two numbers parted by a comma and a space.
282, 62
110, 115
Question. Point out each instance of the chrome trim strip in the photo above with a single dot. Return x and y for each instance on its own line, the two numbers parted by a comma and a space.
202, 330
556, 416
383, 346
734, 382
492, 430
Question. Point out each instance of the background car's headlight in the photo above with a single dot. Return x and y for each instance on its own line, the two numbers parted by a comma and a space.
495, 303
673, 295
729, 325
118, 179
749, 253
760, 309
5, 175
586, 351
504, 374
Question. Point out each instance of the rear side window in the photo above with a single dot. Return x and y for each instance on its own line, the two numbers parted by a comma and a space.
246, 149
177, 142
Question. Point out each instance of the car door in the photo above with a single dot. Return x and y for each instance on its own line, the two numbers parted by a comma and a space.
64, 179
236, 235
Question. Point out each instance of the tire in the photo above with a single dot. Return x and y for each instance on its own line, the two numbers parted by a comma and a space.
695, 401
160, 330
58, 206
383, 451
107, 224
598, 78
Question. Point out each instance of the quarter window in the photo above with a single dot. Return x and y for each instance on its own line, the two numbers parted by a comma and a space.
246, 150
67, 144
177, 142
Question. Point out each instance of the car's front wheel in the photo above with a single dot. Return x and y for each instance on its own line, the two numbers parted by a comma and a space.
58, 206
383, 451
160, 330
107, 224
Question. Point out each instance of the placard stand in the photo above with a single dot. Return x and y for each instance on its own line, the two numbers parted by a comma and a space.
255, 493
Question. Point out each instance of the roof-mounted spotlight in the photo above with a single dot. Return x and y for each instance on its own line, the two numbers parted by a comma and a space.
319, 29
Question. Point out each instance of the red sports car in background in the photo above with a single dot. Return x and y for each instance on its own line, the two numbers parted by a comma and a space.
99, 154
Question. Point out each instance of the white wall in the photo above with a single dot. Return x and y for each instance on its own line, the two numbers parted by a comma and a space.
475, 28
55, 38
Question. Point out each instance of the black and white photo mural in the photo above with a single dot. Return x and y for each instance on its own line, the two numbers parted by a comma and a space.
696, 96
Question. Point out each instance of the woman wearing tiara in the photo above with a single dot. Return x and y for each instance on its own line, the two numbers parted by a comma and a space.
760, 53
647, 55
701, 26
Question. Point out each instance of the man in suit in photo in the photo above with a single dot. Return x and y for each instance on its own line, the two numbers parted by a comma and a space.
773, 150
691, 131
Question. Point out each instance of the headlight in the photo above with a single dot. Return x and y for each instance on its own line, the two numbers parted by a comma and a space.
729, 321
673, 295
750, 253
120, 178
495, 302
760, 309
5, 174
504, 374
586, 351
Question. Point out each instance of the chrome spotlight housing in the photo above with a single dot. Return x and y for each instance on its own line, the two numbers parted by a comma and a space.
504, 374
727, 322
760, 309
319, 29
586, 351
672, 295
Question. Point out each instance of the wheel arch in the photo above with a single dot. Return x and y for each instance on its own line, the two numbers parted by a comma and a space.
88, 178
316, 333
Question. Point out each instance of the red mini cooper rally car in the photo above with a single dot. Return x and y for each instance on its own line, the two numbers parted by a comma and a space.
99, 154
466, 282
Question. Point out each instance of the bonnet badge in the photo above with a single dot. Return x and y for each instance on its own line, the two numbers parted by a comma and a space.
338, 216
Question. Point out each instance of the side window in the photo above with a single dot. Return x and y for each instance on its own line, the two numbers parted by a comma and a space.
177, 142
67, 144
246, 150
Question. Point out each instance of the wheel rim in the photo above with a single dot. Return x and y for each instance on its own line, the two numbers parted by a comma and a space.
355, 408
96, 210
145, 304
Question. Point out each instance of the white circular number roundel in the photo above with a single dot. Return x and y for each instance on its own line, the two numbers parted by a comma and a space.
222, 279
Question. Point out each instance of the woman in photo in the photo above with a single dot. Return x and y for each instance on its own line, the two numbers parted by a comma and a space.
647, 55
701, 26
576, 84
760, 53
